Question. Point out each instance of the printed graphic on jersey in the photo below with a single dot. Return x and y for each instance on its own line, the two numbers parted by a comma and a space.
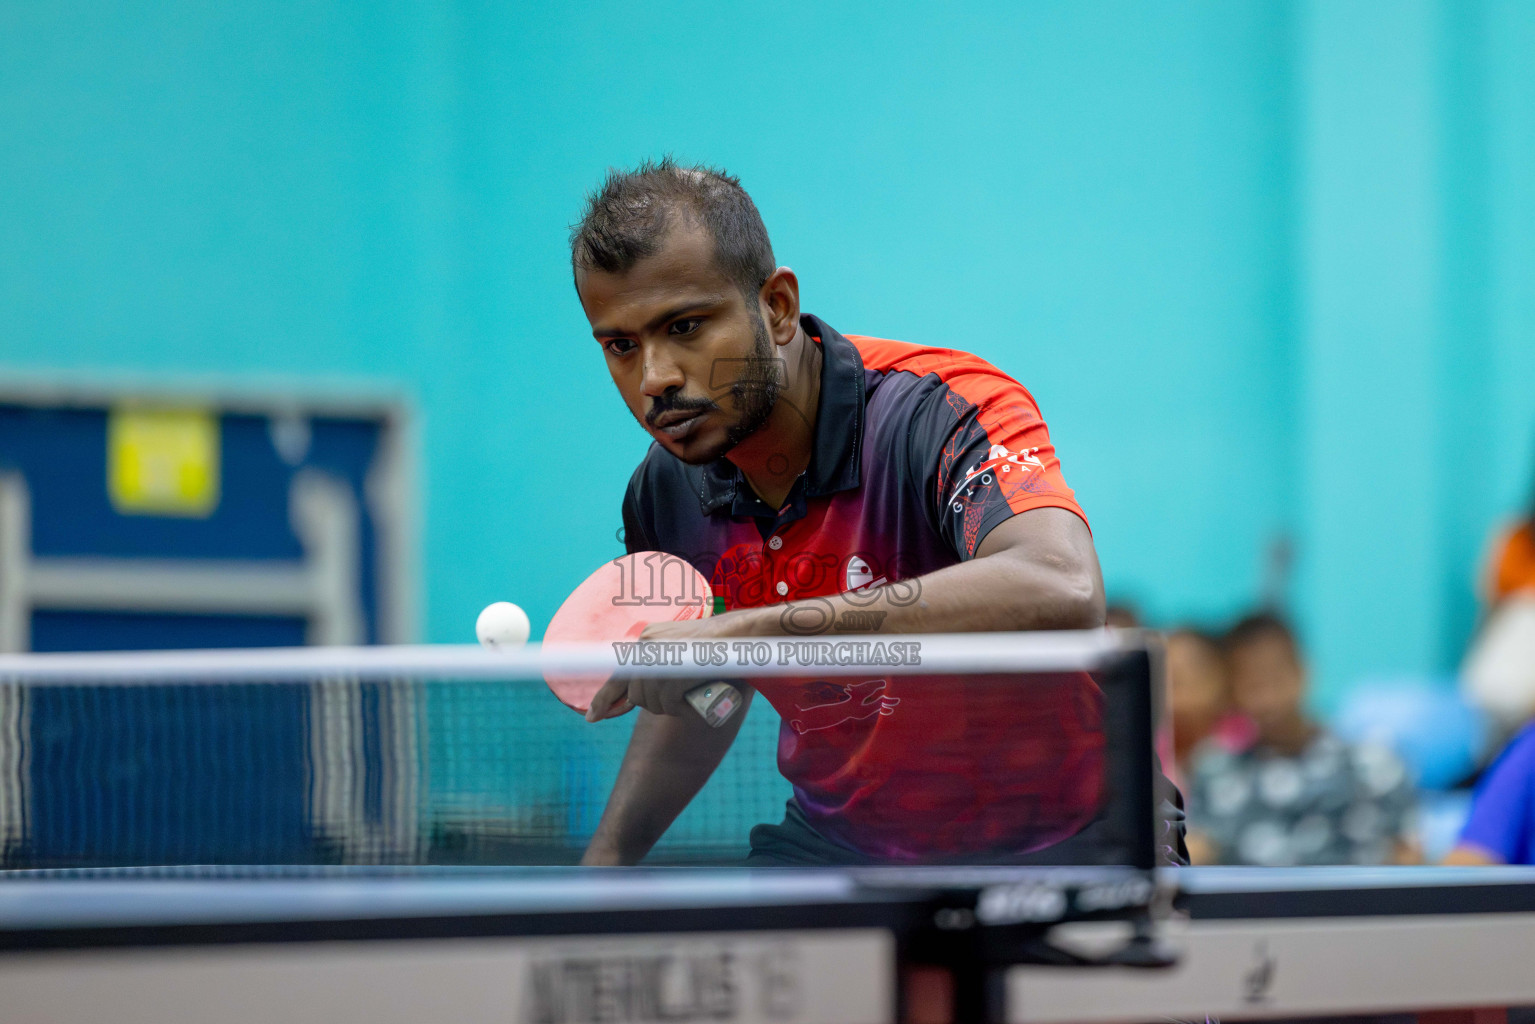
829, 705
956, 443
1012, 473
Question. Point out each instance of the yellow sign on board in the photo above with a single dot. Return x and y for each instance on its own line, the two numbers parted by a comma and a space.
163, 462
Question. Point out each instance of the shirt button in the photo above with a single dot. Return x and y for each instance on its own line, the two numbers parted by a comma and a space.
775, 543
782, 588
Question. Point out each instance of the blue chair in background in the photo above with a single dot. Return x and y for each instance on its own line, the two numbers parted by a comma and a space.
1440, 737
1426, 722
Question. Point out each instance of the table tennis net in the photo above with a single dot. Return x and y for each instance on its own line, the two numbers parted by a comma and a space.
373, 767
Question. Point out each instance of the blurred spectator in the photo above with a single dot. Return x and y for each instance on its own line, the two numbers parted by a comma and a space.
1296, 794
1511, 569
1198, 697
1500, 668
1501, 829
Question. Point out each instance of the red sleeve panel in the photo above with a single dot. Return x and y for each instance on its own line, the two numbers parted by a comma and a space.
978, 442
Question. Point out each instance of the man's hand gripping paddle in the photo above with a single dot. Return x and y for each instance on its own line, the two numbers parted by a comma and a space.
616, 603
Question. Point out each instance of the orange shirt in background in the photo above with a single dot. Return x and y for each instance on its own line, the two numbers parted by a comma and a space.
1513, 562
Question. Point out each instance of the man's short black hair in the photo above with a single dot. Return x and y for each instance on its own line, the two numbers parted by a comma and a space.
626, 219
1259, 626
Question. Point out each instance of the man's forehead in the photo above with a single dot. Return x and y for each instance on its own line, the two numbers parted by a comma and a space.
682, 268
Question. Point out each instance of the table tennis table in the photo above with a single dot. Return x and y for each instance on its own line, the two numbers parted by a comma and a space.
567, 946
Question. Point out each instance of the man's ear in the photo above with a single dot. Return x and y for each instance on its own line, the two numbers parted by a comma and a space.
780, 297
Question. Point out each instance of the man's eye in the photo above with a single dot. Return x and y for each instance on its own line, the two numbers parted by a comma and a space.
686, 326
620, 346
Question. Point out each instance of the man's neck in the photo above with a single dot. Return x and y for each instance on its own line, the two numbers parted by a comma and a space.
779, 451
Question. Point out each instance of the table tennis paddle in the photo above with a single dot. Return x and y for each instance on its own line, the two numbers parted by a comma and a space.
616, 603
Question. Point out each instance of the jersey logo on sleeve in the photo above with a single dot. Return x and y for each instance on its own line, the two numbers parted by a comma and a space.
997, 462
853, 702
860, 574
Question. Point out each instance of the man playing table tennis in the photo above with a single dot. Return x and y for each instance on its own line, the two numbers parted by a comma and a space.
828, 483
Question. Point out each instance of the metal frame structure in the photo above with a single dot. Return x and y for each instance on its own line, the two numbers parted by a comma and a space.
321, 588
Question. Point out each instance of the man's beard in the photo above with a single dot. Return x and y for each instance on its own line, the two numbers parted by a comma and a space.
755, 390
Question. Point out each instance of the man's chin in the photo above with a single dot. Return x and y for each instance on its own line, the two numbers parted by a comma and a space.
698, 451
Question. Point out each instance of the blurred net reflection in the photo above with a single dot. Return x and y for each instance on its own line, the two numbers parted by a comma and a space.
376, 768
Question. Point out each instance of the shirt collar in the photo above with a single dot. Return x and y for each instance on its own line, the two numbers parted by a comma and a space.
834, 459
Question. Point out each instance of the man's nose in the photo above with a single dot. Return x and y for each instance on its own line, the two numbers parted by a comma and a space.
660, 374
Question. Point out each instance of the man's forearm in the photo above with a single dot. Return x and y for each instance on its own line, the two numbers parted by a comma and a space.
1037, 570
668, 761
995, 594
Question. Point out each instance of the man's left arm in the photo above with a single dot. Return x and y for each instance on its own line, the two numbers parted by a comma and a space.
1035, 570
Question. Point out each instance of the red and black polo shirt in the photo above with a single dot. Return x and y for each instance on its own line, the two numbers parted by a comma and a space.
918, 453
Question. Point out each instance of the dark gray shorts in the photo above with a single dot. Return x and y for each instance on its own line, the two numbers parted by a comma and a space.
795, 843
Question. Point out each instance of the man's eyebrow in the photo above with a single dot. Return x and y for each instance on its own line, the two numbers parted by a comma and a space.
659, 319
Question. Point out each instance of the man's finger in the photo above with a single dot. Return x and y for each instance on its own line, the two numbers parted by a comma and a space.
674, 699
642, 694
602, 702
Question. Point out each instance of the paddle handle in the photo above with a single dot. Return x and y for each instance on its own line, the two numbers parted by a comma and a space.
716, 702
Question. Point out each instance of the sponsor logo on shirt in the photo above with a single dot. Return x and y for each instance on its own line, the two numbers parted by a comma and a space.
860, 575
997, 462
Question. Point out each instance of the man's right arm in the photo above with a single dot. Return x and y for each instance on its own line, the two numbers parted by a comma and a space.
669, 759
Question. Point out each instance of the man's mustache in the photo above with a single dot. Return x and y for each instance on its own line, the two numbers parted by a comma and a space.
677, 403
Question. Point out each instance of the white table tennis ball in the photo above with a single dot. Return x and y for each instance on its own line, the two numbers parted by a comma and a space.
502, 624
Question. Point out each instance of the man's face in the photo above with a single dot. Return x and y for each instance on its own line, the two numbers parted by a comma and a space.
1267, 682
691, 358
1196, 684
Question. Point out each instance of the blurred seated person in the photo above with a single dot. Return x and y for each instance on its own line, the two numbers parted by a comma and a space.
1511, 567
1198, 700
1499, 671
1501, 828
1295, 794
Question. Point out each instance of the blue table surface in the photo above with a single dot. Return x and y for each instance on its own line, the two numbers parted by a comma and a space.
124, 898
30, 900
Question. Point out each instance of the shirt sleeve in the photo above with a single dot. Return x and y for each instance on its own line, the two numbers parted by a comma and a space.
983, 453
1503, 810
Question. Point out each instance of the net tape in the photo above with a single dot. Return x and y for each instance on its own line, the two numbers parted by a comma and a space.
788, 656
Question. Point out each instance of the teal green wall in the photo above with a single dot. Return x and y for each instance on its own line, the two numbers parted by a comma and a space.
1268, 267
1415, 333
